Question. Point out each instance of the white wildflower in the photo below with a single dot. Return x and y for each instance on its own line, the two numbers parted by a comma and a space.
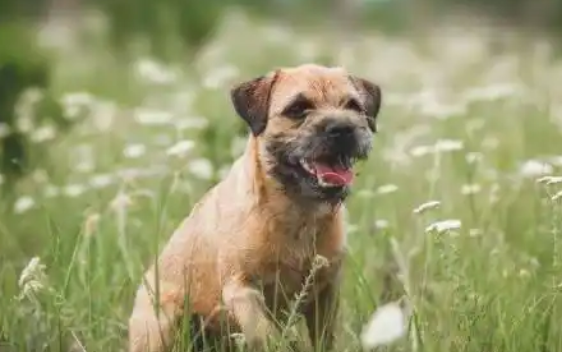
534, 262
448, 145
444, 225
557, 196
133, 151
470, 189
51, 191
219, 76
556, 160
43, 134
74, 103
427, 206
152, 117
475, 232
84, 166
181, 148
388, 188
23, 204
492, 92
533, 168
550, 180
239, 340
422, 150
154, 72
101, 181
73, 190
473, 157
386, 325
201, 168
442, 145
442, 111
381, 224
194, 122
131, 174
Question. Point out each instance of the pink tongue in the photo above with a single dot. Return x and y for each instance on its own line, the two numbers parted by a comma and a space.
335, 175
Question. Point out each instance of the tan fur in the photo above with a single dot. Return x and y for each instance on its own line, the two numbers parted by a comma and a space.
245, 237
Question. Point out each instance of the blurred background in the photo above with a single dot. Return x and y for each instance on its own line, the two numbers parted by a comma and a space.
115, 118
174, 30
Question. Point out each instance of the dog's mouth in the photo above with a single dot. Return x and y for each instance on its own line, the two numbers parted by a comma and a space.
328, 174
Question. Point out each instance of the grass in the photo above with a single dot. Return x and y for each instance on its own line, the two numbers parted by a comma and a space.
462, 125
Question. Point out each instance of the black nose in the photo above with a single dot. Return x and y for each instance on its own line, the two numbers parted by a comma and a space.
339, 129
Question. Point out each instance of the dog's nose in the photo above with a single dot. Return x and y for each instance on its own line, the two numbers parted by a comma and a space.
339, 129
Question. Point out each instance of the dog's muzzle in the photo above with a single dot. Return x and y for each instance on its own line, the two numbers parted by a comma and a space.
337, 145
319, 164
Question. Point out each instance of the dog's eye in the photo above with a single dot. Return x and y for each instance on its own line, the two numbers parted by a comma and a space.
298, 109
354, 105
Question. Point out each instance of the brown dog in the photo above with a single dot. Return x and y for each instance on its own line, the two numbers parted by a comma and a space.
250, 244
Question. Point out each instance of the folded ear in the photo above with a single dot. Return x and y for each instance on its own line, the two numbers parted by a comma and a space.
251, 101
372, 98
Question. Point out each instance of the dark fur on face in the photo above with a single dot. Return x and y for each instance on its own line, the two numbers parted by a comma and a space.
315, 122
317, 144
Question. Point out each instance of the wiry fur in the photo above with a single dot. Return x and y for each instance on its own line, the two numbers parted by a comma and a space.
248, 245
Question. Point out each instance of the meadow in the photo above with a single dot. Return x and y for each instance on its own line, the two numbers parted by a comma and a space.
456, 214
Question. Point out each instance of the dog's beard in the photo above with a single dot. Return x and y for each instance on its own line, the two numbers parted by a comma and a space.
315, 167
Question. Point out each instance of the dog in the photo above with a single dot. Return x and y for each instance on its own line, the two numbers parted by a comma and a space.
253, 241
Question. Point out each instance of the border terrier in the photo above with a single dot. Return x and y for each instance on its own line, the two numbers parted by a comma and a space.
250, 244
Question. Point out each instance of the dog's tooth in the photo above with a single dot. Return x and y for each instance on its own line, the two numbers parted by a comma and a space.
306, 166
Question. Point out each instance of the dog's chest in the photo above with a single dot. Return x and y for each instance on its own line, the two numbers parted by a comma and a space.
298, 263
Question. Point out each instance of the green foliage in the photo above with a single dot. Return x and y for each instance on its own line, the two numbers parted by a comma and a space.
23, 66
190, 22
20, 68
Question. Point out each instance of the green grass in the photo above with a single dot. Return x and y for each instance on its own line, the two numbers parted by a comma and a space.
492, 285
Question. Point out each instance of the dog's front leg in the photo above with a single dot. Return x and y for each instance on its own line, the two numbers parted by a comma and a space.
247, 306
320, 316
153, 318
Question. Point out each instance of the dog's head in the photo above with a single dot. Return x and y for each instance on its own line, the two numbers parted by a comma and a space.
313, 123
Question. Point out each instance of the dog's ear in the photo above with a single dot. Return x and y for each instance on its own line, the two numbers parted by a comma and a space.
372, 98
251, 101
